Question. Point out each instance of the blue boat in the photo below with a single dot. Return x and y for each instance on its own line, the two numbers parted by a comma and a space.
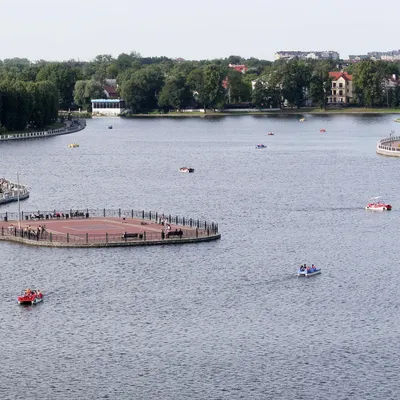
308, 271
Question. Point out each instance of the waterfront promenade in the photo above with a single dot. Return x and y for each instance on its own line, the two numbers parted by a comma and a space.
105, 228
389, 146
70, 127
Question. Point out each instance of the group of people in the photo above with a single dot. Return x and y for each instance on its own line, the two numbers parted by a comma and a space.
308, 268
33, 233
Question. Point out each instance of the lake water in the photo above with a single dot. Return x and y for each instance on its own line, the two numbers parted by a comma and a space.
220, 320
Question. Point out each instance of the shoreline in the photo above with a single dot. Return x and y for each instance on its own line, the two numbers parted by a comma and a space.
355, 111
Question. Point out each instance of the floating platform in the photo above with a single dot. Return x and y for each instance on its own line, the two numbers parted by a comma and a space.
85, 231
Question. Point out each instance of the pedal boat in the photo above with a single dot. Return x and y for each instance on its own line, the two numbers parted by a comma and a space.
30, 296
308, 272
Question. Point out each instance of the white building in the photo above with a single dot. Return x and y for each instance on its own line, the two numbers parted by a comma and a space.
107, 107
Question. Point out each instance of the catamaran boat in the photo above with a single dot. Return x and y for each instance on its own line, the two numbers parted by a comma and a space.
30, 296
378, 205
308, 271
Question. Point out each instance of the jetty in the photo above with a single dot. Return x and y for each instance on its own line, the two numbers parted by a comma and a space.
11, 191
103, 228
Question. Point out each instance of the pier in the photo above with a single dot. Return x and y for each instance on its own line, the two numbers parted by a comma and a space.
103, 228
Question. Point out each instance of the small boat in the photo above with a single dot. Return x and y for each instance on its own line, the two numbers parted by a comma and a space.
270, 133
322, 130
302, 119
110, 126
260, 146
308, 271
30, 296
186, 170
73, 145
378, 205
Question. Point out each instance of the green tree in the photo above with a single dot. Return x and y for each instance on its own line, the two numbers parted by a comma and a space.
296, 77
175, 94
259, 95
64, 76
141, 89
368, 80
238, 90
86, 90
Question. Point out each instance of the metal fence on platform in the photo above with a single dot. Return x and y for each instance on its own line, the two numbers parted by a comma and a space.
113, 213
103, 239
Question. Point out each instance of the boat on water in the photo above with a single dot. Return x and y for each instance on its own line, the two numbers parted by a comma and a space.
271, 134
186, 170
378, 205
73, 145
322, 130
260, 146
110, 126
30, 296
302, 119
306, 271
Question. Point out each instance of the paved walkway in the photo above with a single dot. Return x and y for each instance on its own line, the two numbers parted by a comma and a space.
99, 226
101, 232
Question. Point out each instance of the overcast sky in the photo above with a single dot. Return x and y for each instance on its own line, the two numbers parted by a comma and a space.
205, 29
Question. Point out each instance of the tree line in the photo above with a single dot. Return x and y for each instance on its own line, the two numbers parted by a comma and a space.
31, 93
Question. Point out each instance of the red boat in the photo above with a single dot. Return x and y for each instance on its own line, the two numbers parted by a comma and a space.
378, 205
30, 296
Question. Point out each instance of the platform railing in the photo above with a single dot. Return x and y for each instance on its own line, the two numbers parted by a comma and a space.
383, 144
13, 233
152, 216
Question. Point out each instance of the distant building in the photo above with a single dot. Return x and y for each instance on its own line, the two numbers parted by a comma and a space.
111, 82
111, 92
239, 68
314, 55
342, 88
391, 82
393, 55
361, 57
107, 107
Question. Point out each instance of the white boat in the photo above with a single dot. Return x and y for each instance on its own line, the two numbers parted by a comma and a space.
308, 271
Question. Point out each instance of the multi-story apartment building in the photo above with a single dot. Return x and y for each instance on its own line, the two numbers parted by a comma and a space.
315, 55
342, 88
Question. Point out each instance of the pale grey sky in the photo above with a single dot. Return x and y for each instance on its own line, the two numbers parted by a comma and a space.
50, 30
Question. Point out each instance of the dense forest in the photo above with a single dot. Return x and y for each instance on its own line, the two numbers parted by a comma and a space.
31, 93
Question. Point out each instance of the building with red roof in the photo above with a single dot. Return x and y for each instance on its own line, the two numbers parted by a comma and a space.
341, 88
239, 68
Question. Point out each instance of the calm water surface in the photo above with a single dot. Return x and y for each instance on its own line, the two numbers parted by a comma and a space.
222, 320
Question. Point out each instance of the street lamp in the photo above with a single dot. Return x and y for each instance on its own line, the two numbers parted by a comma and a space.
391, 133
19, 204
